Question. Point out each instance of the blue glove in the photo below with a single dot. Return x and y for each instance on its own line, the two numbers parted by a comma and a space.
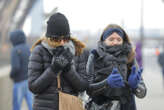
94, 52
115, 80
134, 77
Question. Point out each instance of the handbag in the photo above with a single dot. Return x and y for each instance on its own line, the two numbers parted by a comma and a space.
68, 101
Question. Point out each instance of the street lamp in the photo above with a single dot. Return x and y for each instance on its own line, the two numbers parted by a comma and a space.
142, 23
142, 29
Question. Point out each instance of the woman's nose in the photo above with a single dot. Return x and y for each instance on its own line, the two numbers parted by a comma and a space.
115, 42
62, 42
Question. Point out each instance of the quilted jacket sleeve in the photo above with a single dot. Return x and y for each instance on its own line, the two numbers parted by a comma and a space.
38, 78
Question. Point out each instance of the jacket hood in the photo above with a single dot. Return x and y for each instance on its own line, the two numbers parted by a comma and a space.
17, 37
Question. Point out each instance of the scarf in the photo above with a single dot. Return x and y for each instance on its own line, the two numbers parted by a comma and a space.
114, 57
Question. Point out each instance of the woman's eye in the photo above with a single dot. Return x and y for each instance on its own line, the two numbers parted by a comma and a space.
111, 39
118, 39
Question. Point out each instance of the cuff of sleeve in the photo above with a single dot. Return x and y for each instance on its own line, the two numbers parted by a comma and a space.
55, 69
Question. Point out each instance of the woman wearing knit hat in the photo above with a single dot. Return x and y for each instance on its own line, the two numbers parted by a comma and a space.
114, 59
52, 55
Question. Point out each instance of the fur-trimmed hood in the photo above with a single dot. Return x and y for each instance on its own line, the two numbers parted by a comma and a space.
79, 46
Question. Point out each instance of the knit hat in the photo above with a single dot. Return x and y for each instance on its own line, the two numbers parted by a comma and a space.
110, 31
57, 26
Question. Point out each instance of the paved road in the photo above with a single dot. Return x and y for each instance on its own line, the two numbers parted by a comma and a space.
153, 79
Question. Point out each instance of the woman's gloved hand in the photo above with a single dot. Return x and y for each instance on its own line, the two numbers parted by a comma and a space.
94, 52
61, 58
115, 80
134, 77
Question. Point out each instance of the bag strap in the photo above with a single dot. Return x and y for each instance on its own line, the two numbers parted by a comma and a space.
58, 82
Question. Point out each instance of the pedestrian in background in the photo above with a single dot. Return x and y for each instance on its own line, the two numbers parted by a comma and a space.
114, 59
19, 66
161, 63
139, 54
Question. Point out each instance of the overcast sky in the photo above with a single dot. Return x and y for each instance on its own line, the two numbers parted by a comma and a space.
96, 14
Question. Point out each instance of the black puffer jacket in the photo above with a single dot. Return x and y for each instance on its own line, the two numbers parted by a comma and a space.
100, 65
81, 62
43, 81
103, 64
102, 60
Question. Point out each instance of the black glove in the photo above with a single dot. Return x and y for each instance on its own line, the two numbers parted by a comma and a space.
69, 57
61, 51
61, 59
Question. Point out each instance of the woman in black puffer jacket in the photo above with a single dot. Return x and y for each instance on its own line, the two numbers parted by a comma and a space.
52, 55
114, 60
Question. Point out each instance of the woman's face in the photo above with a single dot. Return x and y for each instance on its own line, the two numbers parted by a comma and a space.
113, 39
62, 41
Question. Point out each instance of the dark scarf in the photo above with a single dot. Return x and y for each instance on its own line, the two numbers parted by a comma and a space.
114, 51
115, 57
